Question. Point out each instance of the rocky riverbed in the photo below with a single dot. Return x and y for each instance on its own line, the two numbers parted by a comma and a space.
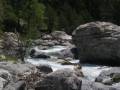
55, 63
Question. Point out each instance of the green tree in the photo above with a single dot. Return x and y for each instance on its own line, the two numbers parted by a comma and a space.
51, 19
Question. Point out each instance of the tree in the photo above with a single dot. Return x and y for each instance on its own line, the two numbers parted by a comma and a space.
51, 19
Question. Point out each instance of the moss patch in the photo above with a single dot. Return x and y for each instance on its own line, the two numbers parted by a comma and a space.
8, 58
116, 78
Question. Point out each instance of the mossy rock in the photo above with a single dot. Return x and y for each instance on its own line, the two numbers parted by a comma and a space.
65, 62
2, 57
116, 78
8, 58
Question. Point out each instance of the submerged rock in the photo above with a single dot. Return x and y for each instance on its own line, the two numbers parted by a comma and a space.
98, 42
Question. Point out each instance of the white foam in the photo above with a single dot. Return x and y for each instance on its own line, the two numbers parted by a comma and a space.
55, 66
51, 50
90, 71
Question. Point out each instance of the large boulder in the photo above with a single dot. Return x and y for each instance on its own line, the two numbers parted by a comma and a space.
98, 42
60, 80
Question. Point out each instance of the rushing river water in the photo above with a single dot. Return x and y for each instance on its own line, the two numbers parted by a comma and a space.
89, 70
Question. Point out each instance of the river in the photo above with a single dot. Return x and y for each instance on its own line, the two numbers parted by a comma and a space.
90, 71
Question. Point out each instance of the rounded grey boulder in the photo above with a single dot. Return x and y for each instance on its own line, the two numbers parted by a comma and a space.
60, 80
98, 42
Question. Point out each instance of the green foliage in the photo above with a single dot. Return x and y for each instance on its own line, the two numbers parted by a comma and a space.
28, 17
8, 58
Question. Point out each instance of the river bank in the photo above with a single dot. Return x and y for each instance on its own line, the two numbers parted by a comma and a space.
53, 63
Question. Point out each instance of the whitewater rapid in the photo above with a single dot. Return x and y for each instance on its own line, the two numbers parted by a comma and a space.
90, 71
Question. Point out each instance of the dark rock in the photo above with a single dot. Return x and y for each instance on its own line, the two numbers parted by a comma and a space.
60, 80
44, 68
98, 42
41, 56
32, 52
75, 52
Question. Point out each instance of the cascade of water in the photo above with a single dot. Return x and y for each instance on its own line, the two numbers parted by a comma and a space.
90, 71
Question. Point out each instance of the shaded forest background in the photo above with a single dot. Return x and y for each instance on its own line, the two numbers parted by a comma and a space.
29, 17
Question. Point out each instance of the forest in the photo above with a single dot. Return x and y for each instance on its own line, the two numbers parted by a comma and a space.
28, 17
